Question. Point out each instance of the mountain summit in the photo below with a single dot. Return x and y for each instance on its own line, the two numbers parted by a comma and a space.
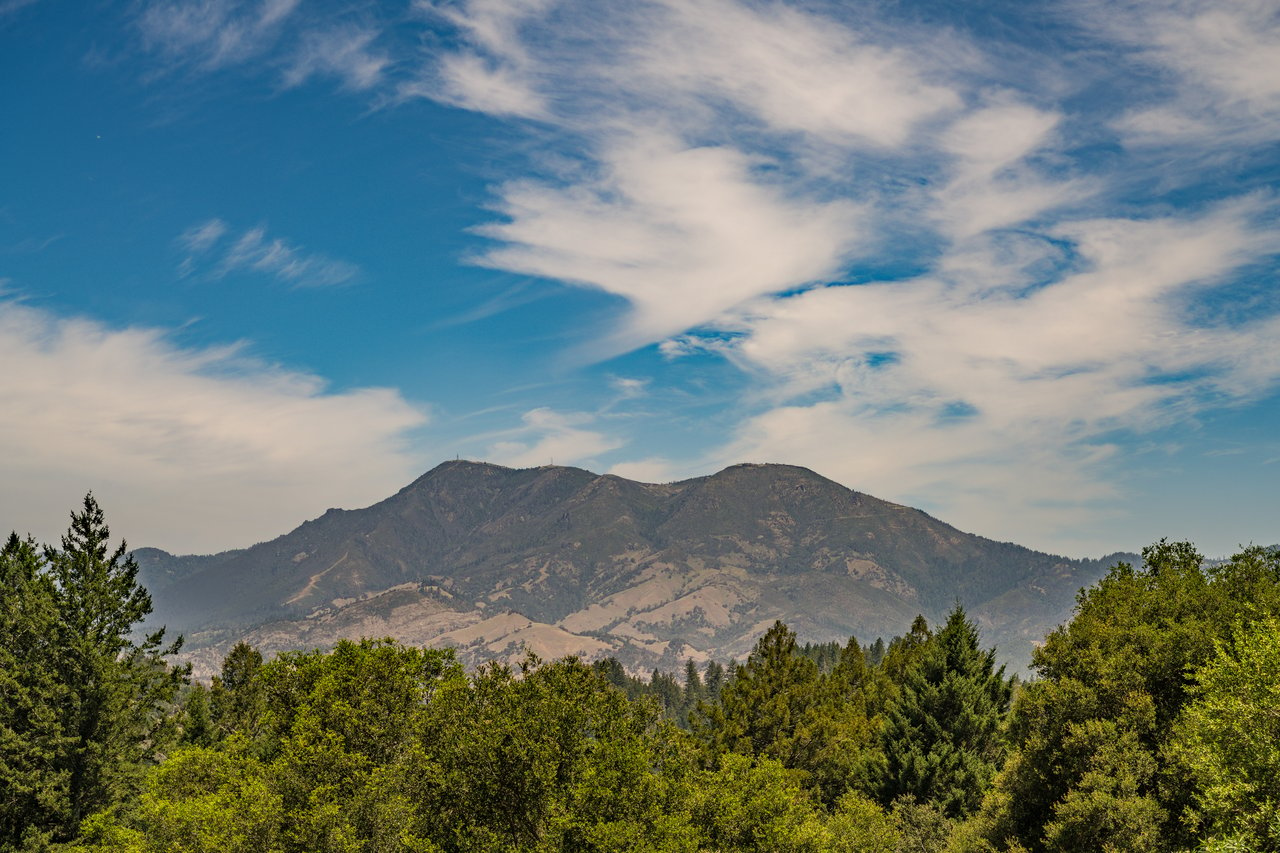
563, 561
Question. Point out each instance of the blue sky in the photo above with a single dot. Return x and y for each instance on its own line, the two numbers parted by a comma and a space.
1012, 263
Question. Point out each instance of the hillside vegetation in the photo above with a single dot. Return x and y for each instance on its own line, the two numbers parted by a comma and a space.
1153, 724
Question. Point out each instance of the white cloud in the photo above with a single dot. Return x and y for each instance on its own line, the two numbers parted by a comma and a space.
187, 449
199, 239
974, 399
343, 52
682, 233
549, 437
214, 33
991, 185
1222, 56
654, 469
793, 71
254, 251
628, 388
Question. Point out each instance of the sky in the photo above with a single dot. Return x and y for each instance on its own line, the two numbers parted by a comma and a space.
1013, 263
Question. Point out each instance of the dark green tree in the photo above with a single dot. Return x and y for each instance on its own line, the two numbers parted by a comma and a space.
118, 711
238, 697
33, 790
694, 691
942, 739
557, 759
765, 709
713, 680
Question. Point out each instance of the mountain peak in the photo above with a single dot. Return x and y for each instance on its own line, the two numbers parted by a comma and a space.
653, 573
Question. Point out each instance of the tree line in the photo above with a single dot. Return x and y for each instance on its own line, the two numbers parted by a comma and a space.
1152, 723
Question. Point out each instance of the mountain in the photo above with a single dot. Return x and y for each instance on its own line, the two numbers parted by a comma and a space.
563, 561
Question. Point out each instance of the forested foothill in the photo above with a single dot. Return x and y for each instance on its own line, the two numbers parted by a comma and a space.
1150, 722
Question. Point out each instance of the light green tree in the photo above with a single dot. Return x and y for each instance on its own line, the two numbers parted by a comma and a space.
1229, 738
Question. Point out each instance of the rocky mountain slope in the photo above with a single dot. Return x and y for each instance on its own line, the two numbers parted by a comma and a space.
563, 561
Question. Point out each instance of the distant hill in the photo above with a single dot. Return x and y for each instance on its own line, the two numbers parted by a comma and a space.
492, 559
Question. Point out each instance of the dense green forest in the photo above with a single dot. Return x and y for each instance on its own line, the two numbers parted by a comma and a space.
1151, 723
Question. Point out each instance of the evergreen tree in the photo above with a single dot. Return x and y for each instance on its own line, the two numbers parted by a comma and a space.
765, 708
694, 692
875, 652
238, 697
32, 790
713, 680
119, 709
942, 739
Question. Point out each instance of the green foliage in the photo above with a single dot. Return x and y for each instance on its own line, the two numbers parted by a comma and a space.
550, 761
1229, 739
238, 698
119, 710
33, 790
859, 825
1093, 760
942, 738
1153, 727
757, 805
198, 801
87, 707
778, 705
766, 709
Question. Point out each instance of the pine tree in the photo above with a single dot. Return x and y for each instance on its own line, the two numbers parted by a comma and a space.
238, 699
32, 791
713, 680
694, 691
765, 708
942, 739
119, 711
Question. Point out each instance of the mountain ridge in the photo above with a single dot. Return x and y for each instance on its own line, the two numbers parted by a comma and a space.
652, 573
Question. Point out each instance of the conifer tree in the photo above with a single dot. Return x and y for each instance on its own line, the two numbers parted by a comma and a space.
713, 680
942, 738
32, 791
694, 692
119, 709
764, 709
238, 698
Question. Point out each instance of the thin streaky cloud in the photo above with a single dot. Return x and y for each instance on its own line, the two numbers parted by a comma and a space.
254, 251
1001, 376
215, 33
345, 53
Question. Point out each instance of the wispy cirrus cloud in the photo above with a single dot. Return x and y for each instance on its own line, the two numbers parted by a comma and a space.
213, 34
299, 42
254, 251
736, 165
346, 53
953, 393
953, 271
1219, 59
184, 446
